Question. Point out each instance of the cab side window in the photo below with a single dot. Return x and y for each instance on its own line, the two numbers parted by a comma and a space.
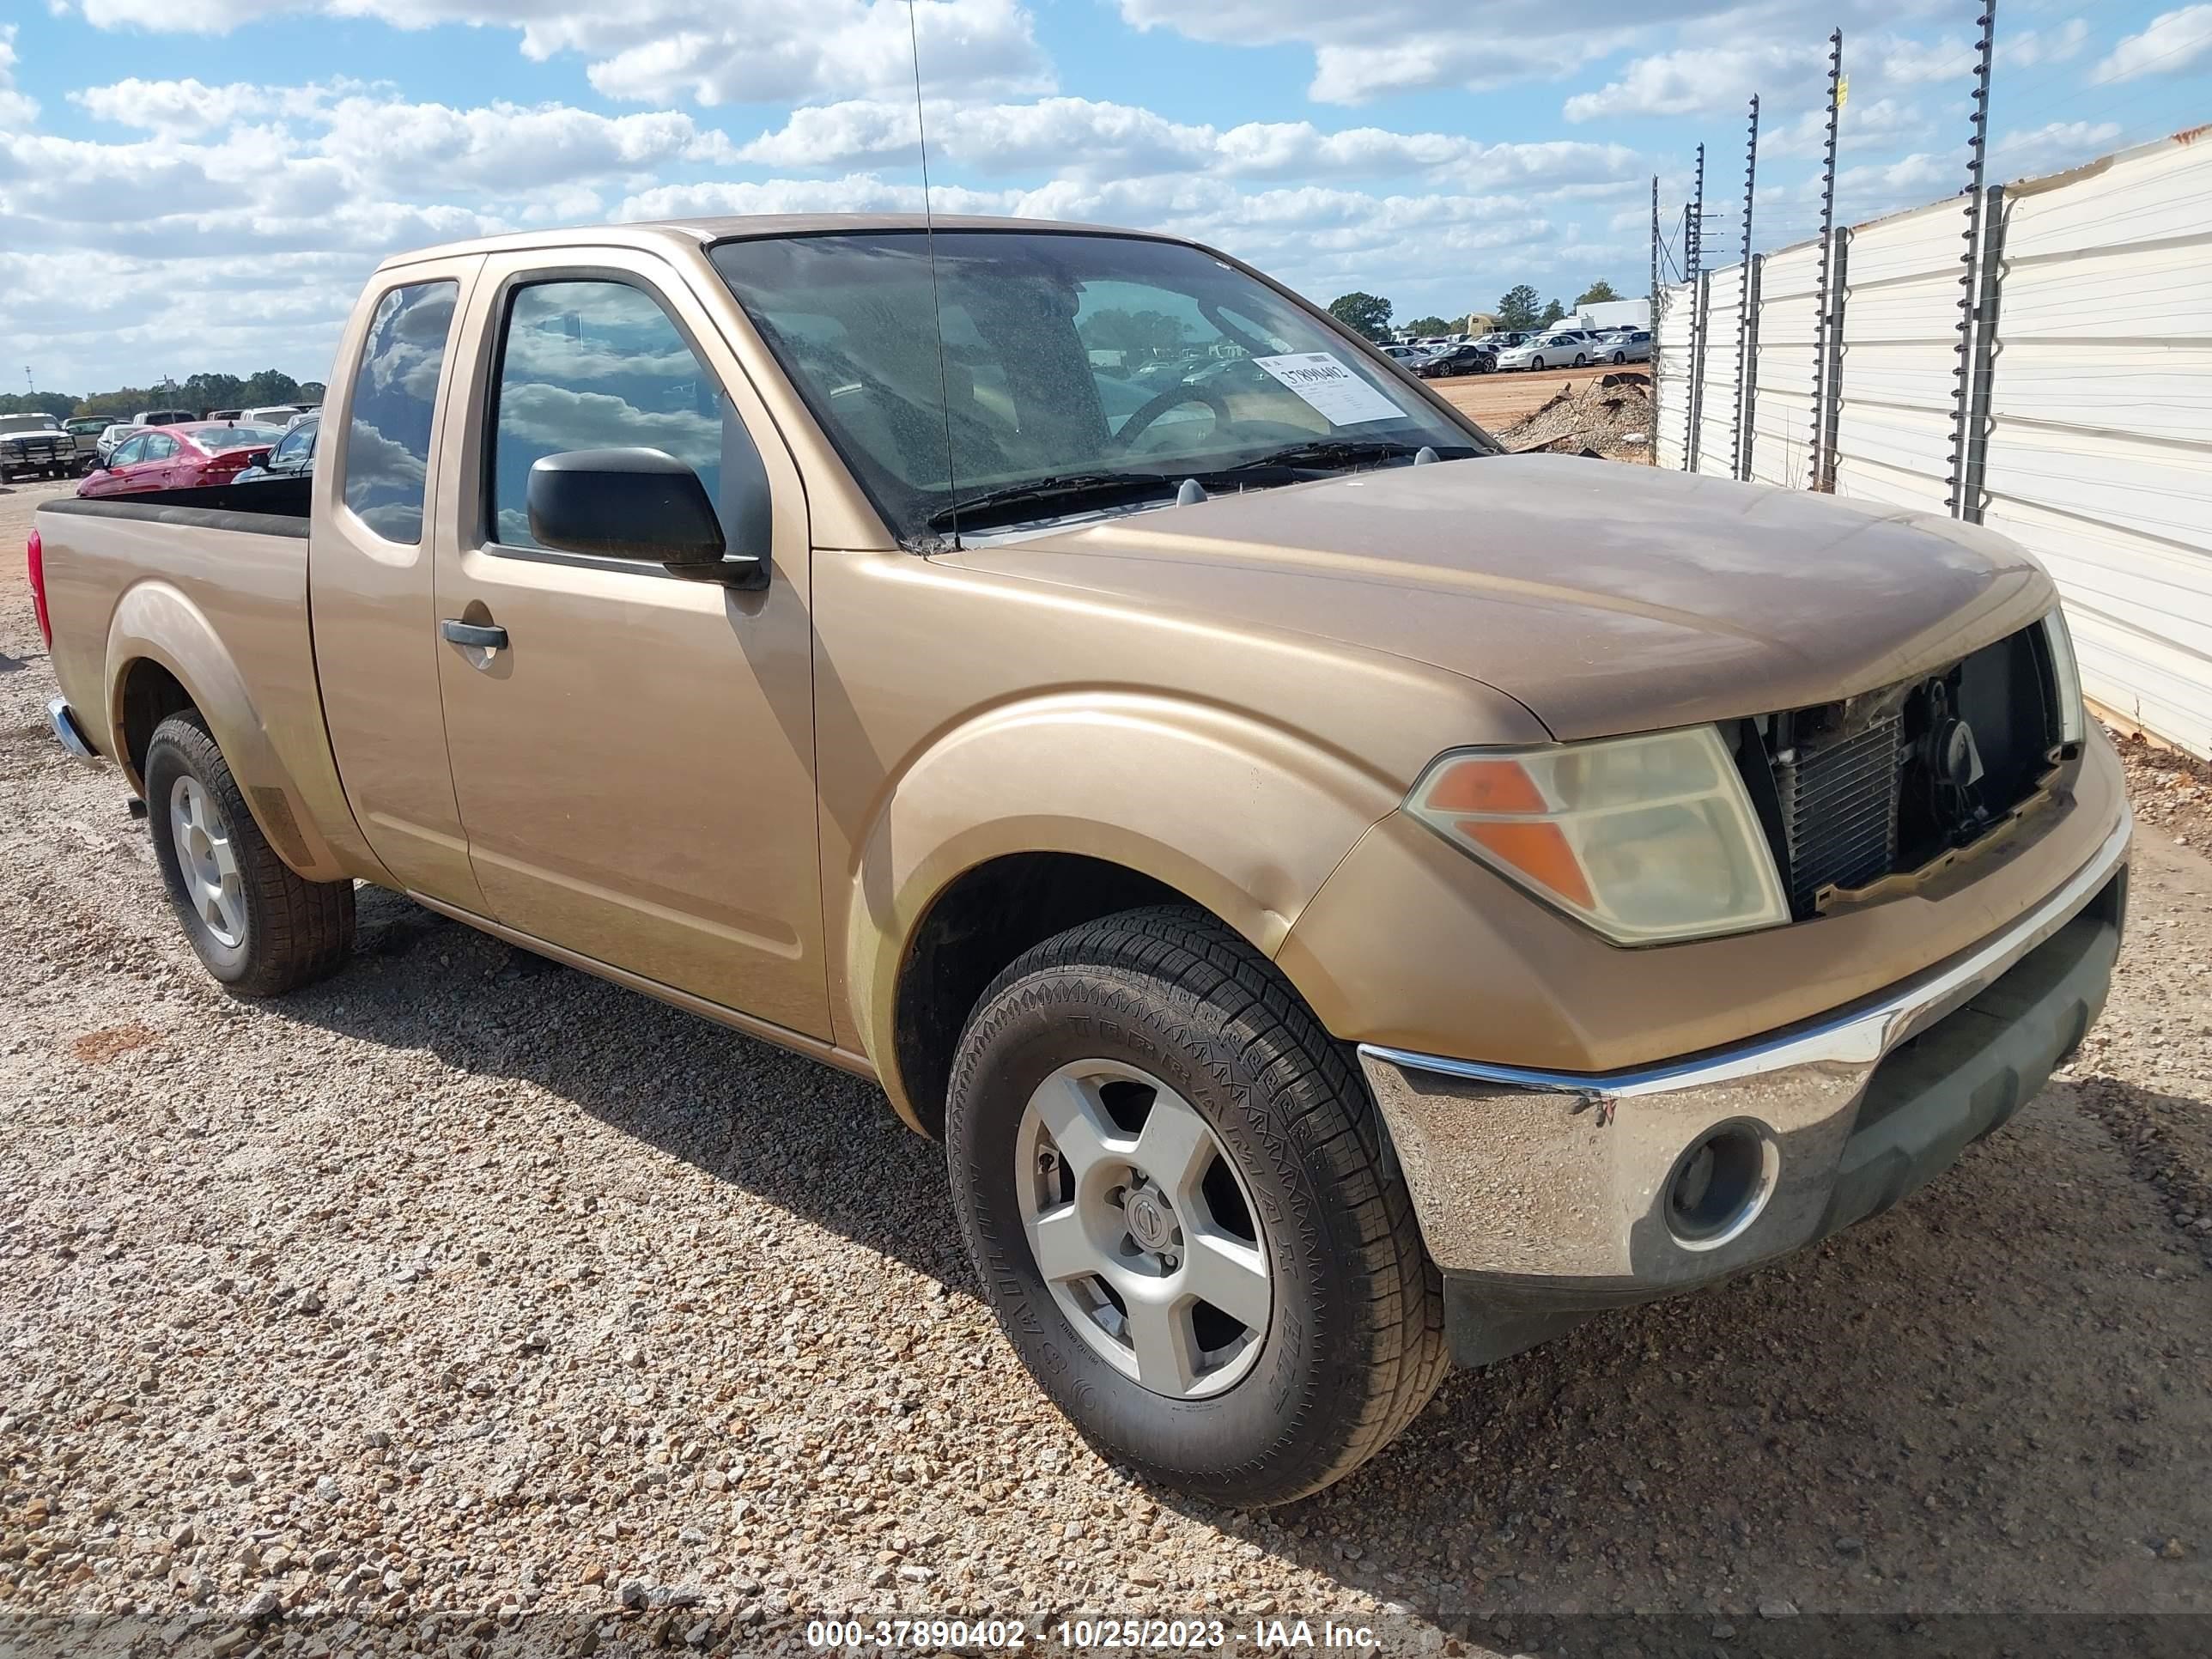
129, 453
159, 447
598, 364
395, 392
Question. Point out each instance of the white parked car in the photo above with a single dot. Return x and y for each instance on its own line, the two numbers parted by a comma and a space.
113, 434
1410, 355
1625, 345
1571, 348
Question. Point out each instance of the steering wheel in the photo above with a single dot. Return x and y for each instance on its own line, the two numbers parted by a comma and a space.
1149, 412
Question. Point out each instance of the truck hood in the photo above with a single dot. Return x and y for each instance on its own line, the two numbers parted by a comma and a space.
1604, 597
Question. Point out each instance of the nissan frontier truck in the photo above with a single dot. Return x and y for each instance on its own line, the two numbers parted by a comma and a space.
1348, 899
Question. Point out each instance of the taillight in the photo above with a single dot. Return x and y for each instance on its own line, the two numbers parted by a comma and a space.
35, 560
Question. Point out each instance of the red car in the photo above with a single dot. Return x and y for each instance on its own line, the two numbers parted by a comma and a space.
184, 457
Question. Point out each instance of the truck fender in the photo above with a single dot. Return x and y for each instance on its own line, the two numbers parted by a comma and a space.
155, 622
1239, 815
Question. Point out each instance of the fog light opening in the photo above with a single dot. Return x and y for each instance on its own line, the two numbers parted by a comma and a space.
1721, 1183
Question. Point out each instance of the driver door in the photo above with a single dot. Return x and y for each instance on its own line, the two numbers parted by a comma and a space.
634, 763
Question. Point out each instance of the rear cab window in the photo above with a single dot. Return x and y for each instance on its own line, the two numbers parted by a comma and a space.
387, 466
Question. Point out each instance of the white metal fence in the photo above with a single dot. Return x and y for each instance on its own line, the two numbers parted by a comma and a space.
2081, 425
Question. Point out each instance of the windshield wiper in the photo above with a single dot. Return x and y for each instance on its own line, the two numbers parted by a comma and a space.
1061, 491
1336, 452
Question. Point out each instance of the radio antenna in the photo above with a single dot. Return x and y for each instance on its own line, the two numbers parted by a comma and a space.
936, 299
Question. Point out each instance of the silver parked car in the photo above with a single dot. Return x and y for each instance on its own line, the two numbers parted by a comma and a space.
1625, 345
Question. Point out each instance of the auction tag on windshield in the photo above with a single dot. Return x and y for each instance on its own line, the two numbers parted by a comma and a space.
1339, 395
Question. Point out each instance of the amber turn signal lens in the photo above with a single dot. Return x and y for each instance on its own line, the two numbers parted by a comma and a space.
1647, 838
1538, 851
1484, 786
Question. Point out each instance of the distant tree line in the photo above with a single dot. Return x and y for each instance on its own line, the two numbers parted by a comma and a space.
1521, 308
200, 393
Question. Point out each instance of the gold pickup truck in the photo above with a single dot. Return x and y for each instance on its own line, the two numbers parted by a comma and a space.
1348, 898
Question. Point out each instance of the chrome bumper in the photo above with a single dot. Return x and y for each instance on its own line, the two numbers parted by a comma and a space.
66, 732
1530, 1179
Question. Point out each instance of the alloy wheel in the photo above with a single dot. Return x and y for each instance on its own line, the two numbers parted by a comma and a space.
207, 862
1143, 1228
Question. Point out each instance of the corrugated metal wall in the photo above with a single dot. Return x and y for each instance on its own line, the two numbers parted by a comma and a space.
1900, 325
2096, 449
1670, 377
2100, 435
1717, 418
1783, 369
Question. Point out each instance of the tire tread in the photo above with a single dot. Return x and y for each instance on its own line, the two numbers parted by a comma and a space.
309, 925
1325, 1105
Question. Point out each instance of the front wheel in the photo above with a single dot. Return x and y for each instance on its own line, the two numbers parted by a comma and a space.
1618, 358
1535, 363
258, 926
1174, 1189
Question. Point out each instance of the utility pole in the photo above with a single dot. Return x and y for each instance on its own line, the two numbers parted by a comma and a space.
1693, 248
1655, 250
1694, 228
1743, 294
1823, 332
1969, 309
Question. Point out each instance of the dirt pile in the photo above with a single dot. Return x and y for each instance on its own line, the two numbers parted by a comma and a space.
1610, 416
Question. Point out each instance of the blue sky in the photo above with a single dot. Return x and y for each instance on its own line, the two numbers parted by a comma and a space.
202, 184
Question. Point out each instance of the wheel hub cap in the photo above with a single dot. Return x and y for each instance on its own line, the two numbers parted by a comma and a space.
1151, 1224
1143, 1228
206, 863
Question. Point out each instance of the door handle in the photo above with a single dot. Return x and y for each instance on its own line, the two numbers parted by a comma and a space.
483, 638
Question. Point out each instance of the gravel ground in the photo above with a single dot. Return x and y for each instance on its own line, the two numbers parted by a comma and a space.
466, 1285
1598, 416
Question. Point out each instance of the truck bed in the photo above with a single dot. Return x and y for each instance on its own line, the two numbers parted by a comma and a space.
207, 588
270, 507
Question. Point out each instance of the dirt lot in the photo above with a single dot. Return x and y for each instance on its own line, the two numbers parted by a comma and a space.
1496, 401
464, 1285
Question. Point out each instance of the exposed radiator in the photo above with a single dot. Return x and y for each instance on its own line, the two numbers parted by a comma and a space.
1839, 808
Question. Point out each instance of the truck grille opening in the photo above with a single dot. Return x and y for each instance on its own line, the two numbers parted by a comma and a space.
1883, 783
1840, 812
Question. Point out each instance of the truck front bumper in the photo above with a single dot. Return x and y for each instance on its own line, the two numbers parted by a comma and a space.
1546, 1196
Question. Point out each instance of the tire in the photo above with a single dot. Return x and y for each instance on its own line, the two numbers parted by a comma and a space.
1535, 363
1351, 1344
1580, 362
1618, 358
271, 931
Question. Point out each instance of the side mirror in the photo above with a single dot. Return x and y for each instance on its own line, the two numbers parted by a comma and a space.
635, 504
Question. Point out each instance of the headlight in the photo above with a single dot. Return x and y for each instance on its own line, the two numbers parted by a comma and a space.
1647, 839
2066, 679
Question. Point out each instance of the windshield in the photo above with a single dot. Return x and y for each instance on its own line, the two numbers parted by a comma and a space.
1065, 355
214, 440
28, 423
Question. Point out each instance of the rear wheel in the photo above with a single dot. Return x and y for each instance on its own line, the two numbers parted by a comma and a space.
258, 926
1580, 360
1173, 1186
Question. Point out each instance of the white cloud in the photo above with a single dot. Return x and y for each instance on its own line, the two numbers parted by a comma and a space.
16, 108
189, 109
1864, 123
2048, 149
1698, 79
2175, 41
710, 52
505, 147
1079, 137
2057, 46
